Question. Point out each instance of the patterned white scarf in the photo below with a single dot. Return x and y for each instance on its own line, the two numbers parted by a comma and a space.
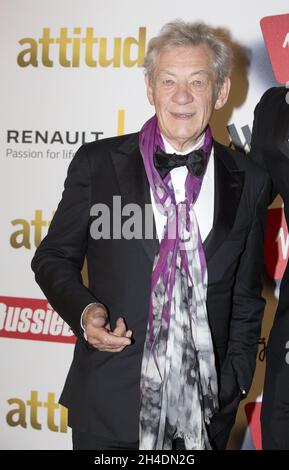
178, 380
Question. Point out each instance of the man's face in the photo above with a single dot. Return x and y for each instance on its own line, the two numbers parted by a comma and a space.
183, 93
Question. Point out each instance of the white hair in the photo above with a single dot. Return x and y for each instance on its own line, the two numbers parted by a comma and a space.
179, 33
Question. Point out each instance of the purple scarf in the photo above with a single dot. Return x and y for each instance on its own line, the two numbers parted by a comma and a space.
178, 380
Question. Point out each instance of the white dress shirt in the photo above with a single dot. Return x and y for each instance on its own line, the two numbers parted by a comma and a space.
204, 205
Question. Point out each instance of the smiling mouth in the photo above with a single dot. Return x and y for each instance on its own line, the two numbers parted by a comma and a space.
182, 115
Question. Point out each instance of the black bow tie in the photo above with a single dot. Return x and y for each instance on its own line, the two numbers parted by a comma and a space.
194, 161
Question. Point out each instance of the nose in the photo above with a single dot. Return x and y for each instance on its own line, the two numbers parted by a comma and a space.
182, 94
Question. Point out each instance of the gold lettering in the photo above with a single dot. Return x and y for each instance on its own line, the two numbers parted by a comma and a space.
103, 61
131, 50
63, 41
120, 122
89, 41
34, 404
76, 48
30, 51
24, 233
38, 223
63, 418
128, 43
19, 413
46, 40
17, 416
51, 407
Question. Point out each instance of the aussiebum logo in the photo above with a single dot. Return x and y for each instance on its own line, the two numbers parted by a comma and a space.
31, 411
82, 47
32, 319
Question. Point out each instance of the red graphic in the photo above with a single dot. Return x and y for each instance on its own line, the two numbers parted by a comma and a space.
253, 412
275, 31
276, 243
32, 319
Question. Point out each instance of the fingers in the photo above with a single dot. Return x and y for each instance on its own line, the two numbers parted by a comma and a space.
99, 334
120, 328
107, 341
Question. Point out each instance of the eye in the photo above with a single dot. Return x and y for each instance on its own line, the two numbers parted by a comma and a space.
168, 82
198, 83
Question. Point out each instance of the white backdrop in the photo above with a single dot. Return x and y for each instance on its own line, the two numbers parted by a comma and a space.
55, 100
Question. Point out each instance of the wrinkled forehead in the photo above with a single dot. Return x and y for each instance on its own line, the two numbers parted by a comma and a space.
191, 59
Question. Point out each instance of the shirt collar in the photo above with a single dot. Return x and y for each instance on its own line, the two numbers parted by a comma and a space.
170, 149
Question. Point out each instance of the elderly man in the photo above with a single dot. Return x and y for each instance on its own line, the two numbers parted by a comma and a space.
171, 370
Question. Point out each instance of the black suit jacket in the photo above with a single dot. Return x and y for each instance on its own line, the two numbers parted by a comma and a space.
102, 389
270, 148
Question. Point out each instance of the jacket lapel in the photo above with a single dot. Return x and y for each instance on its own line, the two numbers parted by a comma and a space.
229, 183
134, 188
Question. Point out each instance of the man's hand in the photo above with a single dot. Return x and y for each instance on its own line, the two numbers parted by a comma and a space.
98, 330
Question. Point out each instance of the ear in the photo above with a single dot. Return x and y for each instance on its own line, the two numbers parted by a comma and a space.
223, 94
149, 88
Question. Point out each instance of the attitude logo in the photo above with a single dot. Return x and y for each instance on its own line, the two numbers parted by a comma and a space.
29, 232
37, 414
81, 47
